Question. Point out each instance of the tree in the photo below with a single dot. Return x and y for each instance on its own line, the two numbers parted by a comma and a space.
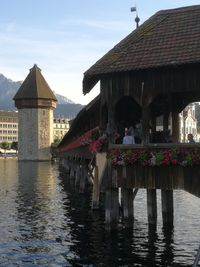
14, 146
4, 145
56, 141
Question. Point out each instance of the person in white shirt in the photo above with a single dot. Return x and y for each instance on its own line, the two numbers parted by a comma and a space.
128, 138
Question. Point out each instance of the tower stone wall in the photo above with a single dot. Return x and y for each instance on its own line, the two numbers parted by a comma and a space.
45, 133
35, 134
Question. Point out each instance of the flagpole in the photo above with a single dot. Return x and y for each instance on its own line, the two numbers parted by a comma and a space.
137, 19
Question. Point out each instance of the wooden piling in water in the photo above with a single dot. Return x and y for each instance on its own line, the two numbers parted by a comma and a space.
77, 175
112, 208
96, 190
71, 175
152, 206
127, 206
167, 206
83, 178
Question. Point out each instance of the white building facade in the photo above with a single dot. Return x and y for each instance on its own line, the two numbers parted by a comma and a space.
60, 128
8, 126
187, 124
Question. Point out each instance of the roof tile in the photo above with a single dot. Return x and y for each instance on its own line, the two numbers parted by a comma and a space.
170, 37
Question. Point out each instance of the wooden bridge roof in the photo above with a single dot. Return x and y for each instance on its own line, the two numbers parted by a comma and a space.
168, 38
35, 87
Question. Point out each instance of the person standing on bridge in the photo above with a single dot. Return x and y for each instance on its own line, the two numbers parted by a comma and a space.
128, 138
190, 138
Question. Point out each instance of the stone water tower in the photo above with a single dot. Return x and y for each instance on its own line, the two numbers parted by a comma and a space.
35, 102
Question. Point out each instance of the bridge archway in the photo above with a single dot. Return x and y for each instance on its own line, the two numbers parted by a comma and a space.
127, 113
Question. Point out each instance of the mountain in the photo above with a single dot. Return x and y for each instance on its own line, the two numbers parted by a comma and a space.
8, 88
63, 99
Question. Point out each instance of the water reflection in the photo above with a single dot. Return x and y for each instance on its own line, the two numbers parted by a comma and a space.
167, 257
45, 222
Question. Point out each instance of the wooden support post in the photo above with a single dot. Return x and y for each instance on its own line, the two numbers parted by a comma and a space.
145, 125
135, 193
167, 207
153, 124
83, 178
66, 165
112, 208
71, 170
151, 206
127, 206
77, 175
175, 127
111, 199
96, 190
165, 122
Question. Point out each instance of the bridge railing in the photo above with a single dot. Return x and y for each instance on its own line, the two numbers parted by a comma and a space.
157, 166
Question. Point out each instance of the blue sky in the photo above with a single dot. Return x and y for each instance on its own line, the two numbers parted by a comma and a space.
65, 37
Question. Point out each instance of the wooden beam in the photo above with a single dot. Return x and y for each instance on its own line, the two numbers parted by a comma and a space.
145, 125
165, 121
153, 124
175, 127
135, 193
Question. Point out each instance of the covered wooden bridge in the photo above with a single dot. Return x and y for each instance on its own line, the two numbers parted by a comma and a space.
154, 71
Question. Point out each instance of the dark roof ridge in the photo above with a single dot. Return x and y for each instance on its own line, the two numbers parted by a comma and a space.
178, 10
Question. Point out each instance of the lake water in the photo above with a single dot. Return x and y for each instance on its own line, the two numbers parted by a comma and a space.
44, 222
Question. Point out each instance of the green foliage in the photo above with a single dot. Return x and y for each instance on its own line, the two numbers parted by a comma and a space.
5, 145
14, 145
56, 141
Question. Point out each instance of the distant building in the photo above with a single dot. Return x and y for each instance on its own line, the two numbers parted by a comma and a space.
187, 123
60, 127
35, 102
8, 126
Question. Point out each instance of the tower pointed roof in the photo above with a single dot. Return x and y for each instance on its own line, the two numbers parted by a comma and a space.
34, 87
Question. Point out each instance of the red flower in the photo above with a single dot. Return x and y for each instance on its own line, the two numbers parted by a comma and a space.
174, 161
